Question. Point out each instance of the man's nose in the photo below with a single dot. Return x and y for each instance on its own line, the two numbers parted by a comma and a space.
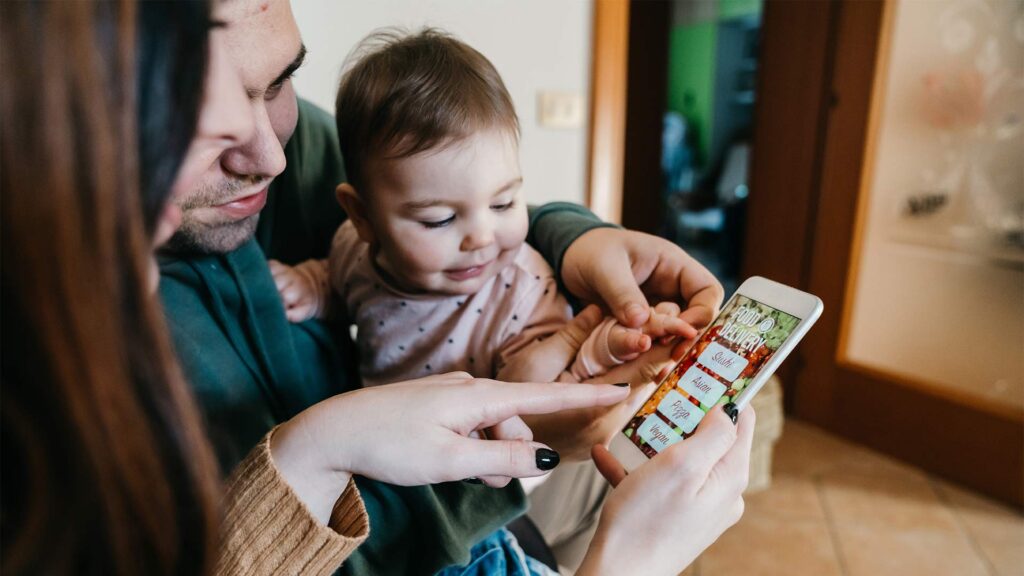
226, 115
262, 156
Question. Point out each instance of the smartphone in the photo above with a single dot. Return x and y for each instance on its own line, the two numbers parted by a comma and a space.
730, 361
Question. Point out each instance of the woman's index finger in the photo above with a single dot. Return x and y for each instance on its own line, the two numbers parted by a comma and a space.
507, 399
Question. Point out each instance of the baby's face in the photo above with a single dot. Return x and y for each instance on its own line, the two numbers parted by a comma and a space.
447, 221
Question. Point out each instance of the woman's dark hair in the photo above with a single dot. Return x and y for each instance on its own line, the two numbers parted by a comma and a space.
105, 466
172, 38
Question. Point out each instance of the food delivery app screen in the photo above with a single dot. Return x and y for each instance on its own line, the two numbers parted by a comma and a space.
717, 368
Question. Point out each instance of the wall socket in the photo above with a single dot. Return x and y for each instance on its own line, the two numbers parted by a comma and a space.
559, 110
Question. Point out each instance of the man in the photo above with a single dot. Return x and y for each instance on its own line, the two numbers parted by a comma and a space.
251, 369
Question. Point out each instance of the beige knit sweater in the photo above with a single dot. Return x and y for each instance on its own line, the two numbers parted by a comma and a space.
268, 530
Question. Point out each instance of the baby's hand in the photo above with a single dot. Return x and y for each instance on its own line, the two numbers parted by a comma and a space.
663, 325
303, 288
626, 344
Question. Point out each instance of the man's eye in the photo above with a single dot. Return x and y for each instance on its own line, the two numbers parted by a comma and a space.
439, 223
272, 92
503, 207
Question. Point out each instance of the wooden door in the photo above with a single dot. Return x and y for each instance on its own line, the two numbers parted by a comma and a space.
822, 86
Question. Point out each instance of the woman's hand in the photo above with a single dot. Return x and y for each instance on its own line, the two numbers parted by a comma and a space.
422, 432
669, 510
618, 267
573, 432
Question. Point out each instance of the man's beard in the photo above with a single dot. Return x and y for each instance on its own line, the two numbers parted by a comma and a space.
213, 238
201, 238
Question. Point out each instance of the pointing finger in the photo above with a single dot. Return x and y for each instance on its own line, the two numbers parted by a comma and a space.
494, 401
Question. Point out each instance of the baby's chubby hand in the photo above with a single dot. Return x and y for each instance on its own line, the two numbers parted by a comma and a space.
663, 325
303, 288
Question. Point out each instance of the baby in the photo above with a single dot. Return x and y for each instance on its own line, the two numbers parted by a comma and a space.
432, 266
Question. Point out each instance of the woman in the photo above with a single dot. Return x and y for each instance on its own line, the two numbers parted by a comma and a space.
105, 466
106, 469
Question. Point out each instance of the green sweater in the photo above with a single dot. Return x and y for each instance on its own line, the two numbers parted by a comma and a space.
251, 369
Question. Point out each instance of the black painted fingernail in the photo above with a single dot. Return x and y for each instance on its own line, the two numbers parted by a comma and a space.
622, 384
731, 410
473, 481
547, 459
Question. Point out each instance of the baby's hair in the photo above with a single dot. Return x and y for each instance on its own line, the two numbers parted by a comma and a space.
405, 93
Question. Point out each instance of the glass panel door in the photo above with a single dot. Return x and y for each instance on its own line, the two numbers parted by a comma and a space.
936, 291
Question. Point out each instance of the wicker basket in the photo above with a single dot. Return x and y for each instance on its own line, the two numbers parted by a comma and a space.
768, 404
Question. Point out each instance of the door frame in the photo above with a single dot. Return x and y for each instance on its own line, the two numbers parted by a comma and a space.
607, 127
813, 132
812, 121
629, 91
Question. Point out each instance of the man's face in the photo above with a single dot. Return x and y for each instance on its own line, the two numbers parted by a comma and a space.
220, 211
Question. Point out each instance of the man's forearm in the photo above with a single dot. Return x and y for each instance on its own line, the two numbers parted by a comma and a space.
555, 226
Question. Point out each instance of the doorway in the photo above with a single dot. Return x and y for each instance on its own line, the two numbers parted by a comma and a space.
692, 89
822, 87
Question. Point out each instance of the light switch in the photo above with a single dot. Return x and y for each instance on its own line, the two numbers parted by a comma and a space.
560, 110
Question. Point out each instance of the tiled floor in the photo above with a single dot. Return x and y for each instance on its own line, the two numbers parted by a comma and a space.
835, 508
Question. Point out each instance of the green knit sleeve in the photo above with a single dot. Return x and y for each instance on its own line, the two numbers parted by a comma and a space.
556, 225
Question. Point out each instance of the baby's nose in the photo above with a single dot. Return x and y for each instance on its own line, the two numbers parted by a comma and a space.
477, 240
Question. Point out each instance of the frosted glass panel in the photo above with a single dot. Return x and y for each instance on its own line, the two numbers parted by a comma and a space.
938, 293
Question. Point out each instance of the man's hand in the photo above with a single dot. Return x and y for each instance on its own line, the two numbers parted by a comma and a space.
622, 269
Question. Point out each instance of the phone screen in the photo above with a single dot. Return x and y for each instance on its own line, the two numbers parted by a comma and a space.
719, 366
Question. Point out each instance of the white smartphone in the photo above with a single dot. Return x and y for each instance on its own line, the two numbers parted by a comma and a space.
730, 361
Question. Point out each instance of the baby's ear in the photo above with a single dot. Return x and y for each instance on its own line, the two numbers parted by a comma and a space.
356, 210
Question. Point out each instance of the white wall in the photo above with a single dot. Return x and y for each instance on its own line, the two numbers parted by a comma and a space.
536, 45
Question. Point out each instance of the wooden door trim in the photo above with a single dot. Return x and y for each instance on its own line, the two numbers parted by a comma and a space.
983, 452
608, 79
960, 398
876, 106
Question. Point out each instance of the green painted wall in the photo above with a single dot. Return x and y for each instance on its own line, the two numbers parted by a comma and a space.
691, 79
732, 8
691, 75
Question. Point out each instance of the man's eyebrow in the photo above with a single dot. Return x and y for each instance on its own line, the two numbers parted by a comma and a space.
288, 70
291, 68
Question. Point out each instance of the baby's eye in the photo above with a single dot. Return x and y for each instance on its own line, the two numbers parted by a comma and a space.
439, 223
503, 207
